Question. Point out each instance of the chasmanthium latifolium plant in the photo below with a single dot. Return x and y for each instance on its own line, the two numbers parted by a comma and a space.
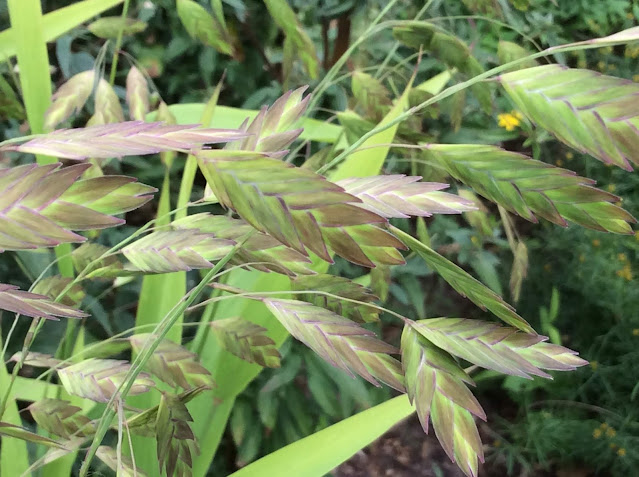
284, 220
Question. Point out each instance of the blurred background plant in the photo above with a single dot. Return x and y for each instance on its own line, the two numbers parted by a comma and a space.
574, 285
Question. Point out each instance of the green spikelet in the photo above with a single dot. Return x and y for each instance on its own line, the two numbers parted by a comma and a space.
137, 94
528, 187
173, 364
502, 349
401, 197
261, 251
436, 384
584, 109
339, 341
341, 288
172, 251
69, 99
248, 177
99, 379
61, 418
247, 341
466, 285
31, 304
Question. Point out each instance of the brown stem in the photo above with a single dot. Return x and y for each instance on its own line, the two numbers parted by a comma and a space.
342, 41
325, 26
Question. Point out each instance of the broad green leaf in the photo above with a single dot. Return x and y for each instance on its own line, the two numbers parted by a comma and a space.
14, 458
586, 110
436, 84
464, 284
57, 23
523, 186
33, 61
319, 453
228, 117
34, 389
363, 163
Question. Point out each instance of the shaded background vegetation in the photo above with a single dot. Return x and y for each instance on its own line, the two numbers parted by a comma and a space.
580, 288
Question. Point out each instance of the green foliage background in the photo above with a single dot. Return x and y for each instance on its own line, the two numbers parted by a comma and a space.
588, 418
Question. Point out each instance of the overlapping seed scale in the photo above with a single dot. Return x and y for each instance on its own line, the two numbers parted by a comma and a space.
588, 111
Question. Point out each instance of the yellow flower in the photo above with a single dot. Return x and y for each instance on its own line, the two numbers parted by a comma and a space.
596, 433
594, 365
630, 16
625, 272
509, 121
612, 67
635, 332
601, 66
474, 239
610, 432
611, 187
635, 78
613, 446
596, 243
569, 155
497, 443
604, 425
559, 162
622, 257
582, 258
621, 452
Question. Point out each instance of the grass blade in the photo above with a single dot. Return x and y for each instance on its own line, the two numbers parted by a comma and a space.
56, 23
319, 453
